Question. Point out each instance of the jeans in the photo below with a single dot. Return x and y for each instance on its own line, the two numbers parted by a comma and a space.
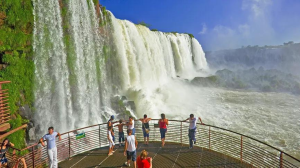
145, 133
131, 155
163, 132
52, 155
133, 131
121, 137
192, 133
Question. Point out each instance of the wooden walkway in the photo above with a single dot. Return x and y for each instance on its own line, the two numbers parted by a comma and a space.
173, 155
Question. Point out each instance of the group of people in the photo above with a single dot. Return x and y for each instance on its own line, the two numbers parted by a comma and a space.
142, 161
130, 143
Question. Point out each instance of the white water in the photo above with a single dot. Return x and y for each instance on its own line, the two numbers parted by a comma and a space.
67, 83
148, 64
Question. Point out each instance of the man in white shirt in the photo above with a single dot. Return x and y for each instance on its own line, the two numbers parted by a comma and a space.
130, 148
51, 146
192, 128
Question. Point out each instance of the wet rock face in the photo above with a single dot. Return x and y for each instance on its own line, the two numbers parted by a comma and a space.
26, 112
121, 105
31, 134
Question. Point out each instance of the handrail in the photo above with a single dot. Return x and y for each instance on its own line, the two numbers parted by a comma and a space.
101, 126
253, 139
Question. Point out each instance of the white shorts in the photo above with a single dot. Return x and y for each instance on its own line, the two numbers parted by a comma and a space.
111, 144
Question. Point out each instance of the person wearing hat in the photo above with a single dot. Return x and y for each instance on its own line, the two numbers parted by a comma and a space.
110, 124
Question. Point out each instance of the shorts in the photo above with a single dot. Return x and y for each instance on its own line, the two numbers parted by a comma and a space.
145, 133
3, 160
163, 132
133, 131
131, 155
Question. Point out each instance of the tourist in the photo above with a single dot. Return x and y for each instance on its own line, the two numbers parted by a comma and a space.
110, 124
130, 148
163, 122
4, 148
110, 140
145, 127
192, 129
130, 125
121, 132
51, 146
143, 161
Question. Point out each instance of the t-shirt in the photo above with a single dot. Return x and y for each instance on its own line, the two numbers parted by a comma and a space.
142, 163
131, 143
50, 140
193, 123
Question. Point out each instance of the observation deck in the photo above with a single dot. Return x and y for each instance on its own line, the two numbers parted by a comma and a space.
216, 147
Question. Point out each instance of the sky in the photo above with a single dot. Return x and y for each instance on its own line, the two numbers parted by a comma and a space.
217, 24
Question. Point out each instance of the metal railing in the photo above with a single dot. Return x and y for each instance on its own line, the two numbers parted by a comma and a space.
241, 147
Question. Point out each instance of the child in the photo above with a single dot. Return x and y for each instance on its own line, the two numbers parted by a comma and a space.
121, 132
110, 140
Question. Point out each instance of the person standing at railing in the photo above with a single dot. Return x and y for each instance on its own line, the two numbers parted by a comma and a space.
192, 129
4, 148
121, 132
146, 128
110, 140
163, 122
110, 123
130, 125
143, 161
130, 148
51, 146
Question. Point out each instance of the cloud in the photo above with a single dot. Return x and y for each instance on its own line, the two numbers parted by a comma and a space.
204, 29
256, 30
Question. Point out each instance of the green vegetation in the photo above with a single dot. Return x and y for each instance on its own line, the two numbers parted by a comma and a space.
18, 136
191, 35
154, 30
16, 26
144, 24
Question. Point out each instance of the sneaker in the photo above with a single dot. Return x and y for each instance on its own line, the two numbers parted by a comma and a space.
127, 164
190, 147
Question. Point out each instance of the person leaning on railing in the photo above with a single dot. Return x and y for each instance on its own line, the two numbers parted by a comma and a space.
146, 128
163, 122
5, 145
192, 129
51, 146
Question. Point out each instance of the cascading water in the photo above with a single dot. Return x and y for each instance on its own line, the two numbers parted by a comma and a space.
70, 88
81, 65
71, 84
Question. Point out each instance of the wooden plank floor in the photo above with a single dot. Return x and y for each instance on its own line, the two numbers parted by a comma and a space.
172, 155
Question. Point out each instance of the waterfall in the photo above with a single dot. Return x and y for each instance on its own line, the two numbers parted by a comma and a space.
150, 58
70, 88
73, 80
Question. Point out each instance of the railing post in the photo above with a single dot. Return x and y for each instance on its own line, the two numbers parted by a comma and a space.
100, 135
241, 148
69, 145
32, 156
281, 160
209, 137
181, 134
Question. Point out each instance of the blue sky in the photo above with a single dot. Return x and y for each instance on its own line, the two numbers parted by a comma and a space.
217, 24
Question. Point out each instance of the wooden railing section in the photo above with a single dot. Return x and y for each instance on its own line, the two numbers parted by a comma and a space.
4, 101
